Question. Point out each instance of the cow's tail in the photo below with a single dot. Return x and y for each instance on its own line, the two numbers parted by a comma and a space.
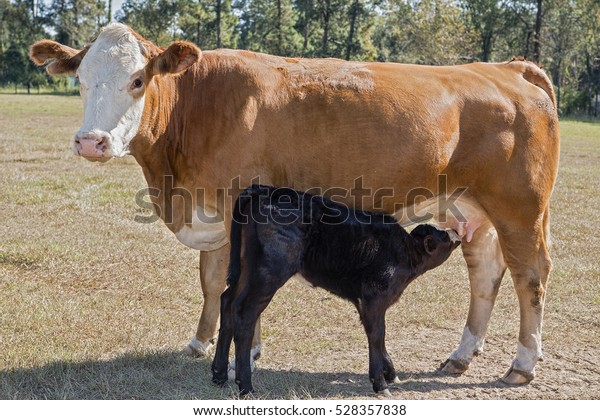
237, 223
536, 76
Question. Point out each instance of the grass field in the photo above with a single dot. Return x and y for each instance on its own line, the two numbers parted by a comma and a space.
96, 306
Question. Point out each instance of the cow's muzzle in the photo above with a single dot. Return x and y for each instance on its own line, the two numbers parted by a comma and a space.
93, 146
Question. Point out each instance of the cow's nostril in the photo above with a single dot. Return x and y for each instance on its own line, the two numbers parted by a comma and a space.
102, 144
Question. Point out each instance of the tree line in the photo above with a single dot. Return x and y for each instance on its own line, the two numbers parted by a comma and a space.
562, 35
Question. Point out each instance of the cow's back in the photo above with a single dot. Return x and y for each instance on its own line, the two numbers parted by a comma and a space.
321, 123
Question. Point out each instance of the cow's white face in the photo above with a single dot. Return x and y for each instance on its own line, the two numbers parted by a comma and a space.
114, 74
111, 77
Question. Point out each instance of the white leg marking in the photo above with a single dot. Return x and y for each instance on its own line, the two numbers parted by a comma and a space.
196, 347
470, 345
385, 393
526, 358
254, 354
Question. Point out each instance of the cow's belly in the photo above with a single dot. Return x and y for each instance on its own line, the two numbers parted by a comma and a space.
204, 235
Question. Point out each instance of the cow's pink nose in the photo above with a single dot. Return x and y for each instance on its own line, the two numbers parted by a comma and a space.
91, 147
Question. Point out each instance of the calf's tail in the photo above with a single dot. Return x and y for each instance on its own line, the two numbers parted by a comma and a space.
237, 222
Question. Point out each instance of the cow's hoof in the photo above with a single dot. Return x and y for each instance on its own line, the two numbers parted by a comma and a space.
197, 349
395, 380
385, 393
454, 367
516, 377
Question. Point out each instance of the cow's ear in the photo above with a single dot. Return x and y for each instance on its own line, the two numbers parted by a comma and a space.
430, 244
177, 58
63, 60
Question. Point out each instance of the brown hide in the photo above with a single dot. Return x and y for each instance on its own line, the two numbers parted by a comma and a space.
323, 123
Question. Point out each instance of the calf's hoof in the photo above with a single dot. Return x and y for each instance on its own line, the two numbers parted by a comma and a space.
196, 348
219, 375
454, 367
517, 377
219, 380
246, 392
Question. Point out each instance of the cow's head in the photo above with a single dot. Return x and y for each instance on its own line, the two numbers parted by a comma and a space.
434, 245
114, 74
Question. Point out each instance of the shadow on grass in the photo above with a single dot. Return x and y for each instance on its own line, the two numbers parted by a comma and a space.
171, 375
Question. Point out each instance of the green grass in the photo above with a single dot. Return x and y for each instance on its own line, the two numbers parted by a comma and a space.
94, 305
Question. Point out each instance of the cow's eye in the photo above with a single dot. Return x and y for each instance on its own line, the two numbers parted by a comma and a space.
137, 83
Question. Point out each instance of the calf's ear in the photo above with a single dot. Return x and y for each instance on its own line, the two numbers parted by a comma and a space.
430, 244
63, 60
177, 58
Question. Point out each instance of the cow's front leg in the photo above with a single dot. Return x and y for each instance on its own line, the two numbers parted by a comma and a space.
213, 273
486, 268
381, 369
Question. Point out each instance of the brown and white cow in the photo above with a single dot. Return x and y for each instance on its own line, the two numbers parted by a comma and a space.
198, 121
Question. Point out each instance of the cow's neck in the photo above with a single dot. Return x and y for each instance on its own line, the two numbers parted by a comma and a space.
149, 147
158, 149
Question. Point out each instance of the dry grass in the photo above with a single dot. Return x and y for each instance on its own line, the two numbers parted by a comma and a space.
94, 305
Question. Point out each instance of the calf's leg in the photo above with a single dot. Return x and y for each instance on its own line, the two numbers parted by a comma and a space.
246, 312
220, 365
381, 368
213, 274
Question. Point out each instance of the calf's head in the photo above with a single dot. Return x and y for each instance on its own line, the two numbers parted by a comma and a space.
115, 73
434, 245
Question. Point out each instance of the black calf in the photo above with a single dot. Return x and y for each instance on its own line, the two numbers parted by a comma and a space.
364, 257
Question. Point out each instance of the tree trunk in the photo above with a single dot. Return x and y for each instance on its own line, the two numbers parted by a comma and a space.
109, 12
198, 32
218, 23
487, 46
353, 17
279, 32
556, 78
537, 40
326, 18
527, 42
305, 28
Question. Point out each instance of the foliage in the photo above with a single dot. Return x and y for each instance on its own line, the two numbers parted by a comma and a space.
20, 25
562, 35
153, 19
76, 21
268, 25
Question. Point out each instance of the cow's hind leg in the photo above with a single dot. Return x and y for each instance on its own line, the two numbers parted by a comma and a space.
213, 274
526, 252
486, 268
